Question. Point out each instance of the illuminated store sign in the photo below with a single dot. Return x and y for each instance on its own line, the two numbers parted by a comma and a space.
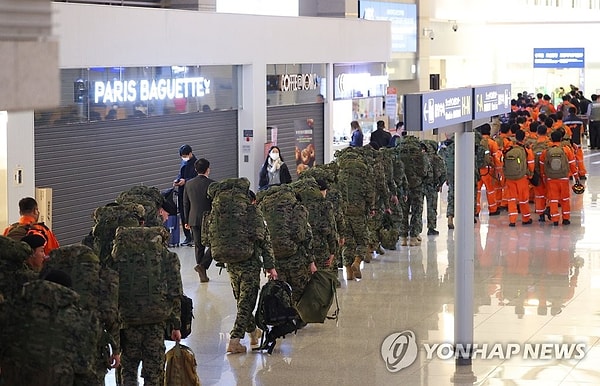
359, 85
148, 90
296, 82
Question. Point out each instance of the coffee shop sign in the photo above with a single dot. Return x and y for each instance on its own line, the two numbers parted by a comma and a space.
148, 90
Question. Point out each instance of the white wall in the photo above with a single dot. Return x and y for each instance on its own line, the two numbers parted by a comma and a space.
108, 36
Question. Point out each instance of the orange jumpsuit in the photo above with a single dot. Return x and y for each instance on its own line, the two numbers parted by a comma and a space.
489, 178
539, 192
518, 192
558, 189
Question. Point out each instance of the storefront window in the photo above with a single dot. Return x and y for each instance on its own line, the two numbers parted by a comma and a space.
290, 84
109, 93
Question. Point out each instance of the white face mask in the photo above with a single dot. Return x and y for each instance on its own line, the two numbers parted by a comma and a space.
185, 158
274, 156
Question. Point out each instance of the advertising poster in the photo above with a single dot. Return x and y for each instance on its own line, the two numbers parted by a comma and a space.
305, 147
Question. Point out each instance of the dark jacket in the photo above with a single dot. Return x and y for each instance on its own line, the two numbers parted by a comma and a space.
195, 200
381, 137
263, 176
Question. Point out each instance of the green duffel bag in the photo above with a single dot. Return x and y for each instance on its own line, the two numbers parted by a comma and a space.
318, 297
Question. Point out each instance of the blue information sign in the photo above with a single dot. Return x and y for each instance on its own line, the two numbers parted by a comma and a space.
491, 100
435, 109
403, 18
558, 57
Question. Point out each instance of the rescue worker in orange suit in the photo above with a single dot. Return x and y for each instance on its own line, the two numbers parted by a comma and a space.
490, 173
504, 142
558, 188
575, 124
539, 192
518, 188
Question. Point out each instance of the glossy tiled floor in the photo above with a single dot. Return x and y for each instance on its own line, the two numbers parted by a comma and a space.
517, 270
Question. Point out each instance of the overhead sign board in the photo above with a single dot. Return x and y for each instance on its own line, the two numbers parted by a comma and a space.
435, 109
491, 100
558, 57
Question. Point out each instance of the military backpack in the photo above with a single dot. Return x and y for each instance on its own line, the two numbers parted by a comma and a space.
150, 197
415, 163
538, 148
140, 257
515, 163
234, 223
556, 164
181, 367
287, 220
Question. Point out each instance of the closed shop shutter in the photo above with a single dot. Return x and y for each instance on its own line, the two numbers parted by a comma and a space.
283, 118
88, 165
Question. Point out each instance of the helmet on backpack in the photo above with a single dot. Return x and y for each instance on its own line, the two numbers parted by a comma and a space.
578, 188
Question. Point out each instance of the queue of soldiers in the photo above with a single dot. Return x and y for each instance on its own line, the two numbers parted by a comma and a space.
126, 284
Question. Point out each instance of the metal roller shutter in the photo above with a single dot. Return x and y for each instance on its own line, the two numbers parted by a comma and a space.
283, 118
88, 165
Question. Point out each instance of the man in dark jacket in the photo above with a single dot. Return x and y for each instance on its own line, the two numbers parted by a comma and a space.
195, 204
186, 173
380, 136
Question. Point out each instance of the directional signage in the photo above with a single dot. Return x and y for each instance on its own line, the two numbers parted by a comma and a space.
435, 109
558, 57
491, 100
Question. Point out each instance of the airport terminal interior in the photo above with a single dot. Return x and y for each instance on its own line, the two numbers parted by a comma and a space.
534, 285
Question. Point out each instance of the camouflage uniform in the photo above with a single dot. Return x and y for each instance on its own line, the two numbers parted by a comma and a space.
433, 184
356, 184
412, 209
98, 290
145, 342
245, 283
447, 154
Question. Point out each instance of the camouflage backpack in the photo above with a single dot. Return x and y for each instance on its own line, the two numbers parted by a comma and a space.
234, 223
181, 367
320, 213
483, 156
17, 230
106, 221
13, 272
149, 197
50, 333
415, 162
556, 164
140, 255
286, 218
388, 233
515, 163
353, 180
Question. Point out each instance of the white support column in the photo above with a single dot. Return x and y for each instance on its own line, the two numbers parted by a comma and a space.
252, 116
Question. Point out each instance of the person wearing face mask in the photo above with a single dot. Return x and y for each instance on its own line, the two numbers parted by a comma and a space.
186, 173
274, 171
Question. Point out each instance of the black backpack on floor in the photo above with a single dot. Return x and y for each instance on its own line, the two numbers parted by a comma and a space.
275, 314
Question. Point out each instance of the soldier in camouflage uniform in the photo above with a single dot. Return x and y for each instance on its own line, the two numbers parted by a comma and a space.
433, 185
97, 287
245, 283
356, 185
416, 166
447, 154
313, 195
142, 339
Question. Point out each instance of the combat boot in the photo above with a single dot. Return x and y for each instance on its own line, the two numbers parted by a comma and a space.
403, 241
356, 268
349, 272
414, 241
380, 250
255, 336
450, 222
235, 347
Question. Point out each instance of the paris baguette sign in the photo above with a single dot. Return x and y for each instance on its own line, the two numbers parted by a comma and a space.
120, 91
435, 109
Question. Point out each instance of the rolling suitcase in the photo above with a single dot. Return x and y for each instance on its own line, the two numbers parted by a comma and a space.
172, 225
